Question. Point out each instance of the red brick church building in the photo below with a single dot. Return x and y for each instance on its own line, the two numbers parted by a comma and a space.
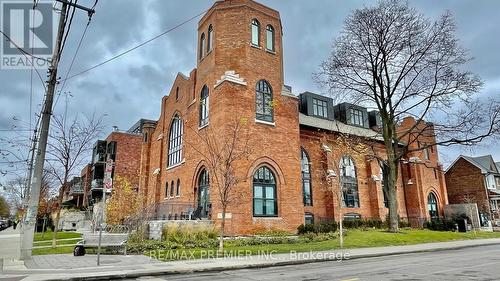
239, 73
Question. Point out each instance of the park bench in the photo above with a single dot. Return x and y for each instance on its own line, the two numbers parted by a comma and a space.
108, 240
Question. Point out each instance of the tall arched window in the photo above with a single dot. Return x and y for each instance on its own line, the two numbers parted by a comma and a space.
203, 193
178, 190
270, 38
264, 193
263, 101
349, 182
210, 38
383, 181
202, 45
204, 103
306, 178
172, 187
175, 141
432, 205
255, 32
166, 189
177, 94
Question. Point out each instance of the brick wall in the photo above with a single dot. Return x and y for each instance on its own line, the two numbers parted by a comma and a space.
128, 156
465, 184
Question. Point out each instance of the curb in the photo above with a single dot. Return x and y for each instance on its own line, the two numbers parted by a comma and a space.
141, 273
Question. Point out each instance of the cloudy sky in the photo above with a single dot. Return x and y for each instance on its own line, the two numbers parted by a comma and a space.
131, 87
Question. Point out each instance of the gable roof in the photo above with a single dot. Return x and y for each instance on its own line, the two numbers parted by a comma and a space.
485, 163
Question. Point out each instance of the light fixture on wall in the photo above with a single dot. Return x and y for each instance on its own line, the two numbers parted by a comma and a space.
331, 174
410, 182
326, 148
375, 178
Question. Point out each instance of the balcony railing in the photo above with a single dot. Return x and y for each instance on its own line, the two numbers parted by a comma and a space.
76, 189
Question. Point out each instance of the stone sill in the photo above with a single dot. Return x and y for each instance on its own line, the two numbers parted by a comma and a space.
265, 122
176, 165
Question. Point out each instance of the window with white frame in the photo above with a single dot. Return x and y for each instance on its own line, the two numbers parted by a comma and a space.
175, 142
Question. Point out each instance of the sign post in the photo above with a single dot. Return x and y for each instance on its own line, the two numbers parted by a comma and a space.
107, 186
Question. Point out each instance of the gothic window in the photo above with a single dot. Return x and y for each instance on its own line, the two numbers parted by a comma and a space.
349, 182
210, 39
264, 193
270, 38
306, 178
175, 141
432, 206
263, 101
204, 106
202, 45
255, 32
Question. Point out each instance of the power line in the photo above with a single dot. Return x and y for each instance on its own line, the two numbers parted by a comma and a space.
26, 54
73, 61
136, 47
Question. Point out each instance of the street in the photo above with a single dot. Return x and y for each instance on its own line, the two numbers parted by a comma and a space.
476, 263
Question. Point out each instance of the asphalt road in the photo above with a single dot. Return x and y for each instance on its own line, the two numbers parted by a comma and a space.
478, 263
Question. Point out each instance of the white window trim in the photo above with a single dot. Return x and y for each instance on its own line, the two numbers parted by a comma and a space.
176, 165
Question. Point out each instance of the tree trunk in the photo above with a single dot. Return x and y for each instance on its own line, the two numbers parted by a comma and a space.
58, 215
392, 197
222, 226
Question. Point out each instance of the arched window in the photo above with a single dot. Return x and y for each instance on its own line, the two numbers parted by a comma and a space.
349, 182
210, 38
306, 178
432, 206
263, 101
204, 103
270, 38
172, 187
166, 189
178, 190
177, 94
264, 193
203, 193
384, 183
175, 141
255, 32
202, 45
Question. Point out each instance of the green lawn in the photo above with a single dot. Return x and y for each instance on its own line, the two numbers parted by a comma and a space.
47, 241
355, 239
60, 235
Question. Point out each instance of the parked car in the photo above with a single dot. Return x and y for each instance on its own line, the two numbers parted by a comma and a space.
3, 224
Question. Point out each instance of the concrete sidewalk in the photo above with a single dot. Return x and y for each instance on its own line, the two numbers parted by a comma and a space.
67, 267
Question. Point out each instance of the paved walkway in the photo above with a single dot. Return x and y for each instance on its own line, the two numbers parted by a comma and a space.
10, 241
68, 267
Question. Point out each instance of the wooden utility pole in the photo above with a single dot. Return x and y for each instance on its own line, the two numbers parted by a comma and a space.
29, 221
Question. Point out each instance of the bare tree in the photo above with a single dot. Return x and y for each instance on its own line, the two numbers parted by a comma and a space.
68, 147
393, 58
221, 151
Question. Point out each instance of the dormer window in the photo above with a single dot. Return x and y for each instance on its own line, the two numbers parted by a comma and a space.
270, 38
320, 108
356, 117
255, 32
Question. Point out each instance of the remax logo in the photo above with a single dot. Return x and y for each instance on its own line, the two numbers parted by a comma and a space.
26, 31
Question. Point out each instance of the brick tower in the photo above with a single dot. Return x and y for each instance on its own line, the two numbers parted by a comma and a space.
239, 75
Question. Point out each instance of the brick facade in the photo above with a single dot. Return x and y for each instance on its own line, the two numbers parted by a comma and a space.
465, 184
231, 71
